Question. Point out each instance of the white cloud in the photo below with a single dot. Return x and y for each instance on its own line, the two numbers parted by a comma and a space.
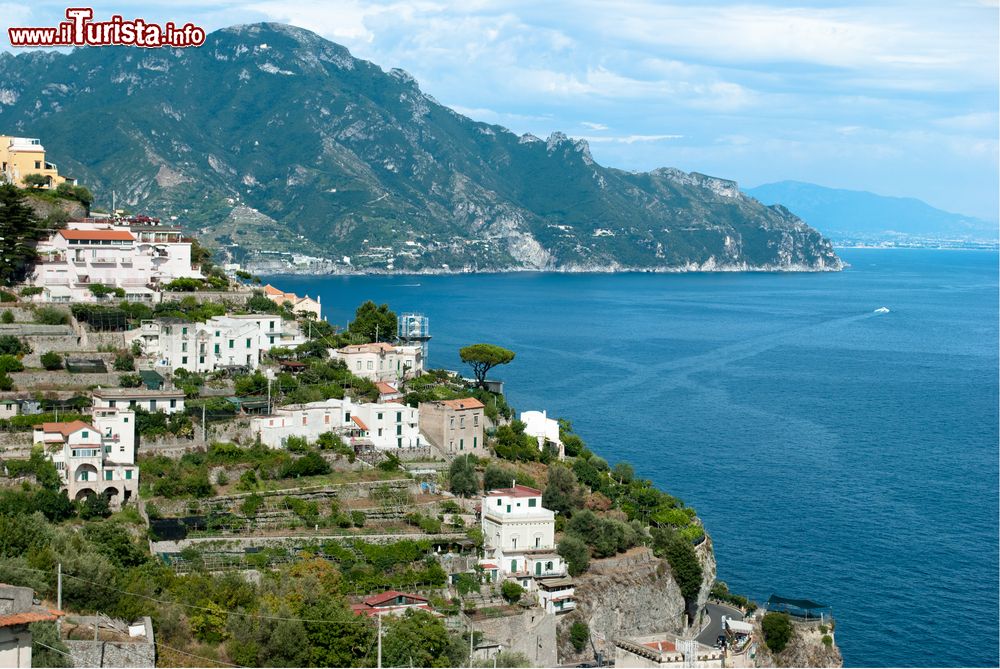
630, 139
589, 125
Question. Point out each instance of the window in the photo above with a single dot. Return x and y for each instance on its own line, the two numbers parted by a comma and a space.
475, 442
347, 416
508, 511
461, 444
112, 404
107, 474
532, 502
128, 474
217, 333
85, 434
217, 349
184, 347
152, 405
270, 339
538, 543
232, 343
461, 421
184, 360
379, 415
499, 502
248, 343
451, 422
359, 364
271, 324
131, 404
399, 442
475, 420
370, 365
399, 416
173, 404
513, 540
201, 359
548, 566
305, 420
380, 432
124, 419
184, 331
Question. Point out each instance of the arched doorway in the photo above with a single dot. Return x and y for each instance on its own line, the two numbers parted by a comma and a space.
84, 493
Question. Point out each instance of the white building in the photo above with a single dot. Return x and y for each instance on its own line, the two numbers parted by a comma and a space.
382, 362
383, 426
95, 458
221, 341
17, 612
543, 429
519, 540
139, 258
164, 401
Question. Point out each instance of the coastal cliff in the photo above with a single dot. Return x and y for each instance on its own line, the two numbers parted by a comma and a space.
629, 595
806, 648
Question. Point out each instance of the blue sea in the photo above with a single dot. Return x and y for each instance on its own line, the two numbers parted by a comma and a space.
834, 453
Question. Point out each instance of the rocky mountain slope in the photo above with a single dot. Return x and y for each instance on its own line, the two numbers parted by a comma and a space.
270, 139
847, 215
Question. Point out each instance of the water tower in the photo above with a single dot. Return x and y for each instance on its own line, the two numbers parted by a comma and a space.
414, 329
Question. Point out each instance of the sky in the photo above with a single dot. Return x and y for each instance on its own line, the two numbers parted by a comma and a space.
897, 98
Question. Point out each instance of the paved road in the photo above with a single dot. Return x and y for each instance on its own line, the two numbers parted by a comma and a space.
714, 628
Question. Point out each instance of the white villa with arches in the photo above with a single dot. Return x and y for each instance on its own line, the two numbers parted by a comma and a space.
95, 457
519, 542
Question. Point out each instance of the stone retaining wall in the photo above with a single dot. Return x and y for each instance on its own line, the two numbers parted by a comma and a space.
37, 379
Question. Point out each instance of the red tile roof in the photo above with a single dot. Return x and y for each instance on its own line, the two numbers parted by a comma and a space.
385, 388
516, 491
360, 423
122, 235
662, 646
466, 403
28, 617
66, 429
388, 596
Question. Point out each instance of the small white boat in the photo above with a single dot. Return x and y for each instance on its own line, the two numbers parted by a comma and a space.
882, 310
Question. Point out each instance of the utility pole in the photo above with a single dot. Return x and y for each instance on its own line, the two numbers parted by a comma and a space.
204, 426
472, 645
59, 598
379, 665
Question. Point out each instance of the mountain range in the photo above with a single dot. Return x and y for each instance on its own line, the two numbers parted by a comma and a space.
851, 215
287, 152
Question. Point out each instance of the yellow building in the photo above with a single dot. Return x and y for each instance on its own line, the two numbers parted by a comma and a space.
21, 156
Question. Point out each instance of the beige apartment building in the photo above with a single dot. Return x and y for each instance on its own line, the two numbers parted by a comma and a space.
454, 427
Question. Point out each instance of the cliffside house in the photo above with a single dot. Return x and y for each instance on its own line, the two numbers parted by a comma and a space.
21, 156
17, 612
383, 426
164, 401
667, 650
388, 393
455, 427
137, 257
95, 457
519, 541
390, 602
222, 342
544, 429
380, 361
304, 305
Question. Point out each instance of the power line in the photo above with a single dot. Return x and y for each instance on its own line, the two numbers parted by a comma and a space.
43, 645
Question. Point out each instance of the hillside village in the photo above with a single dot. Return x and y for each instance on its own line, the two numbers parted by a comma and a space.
200, 470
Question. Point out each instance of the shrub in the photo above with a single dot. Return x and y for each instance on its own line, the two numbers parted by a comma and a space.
777, 630
184, 285
29, 291
575, 552
11, 345
511, 591
579, 635
297, 444
827, 640
129, 380
51, 360
7, 317
358, 518
95, 506
823, 629
51, 316
124, 362
6, 383
462, 479
9, 363
248, 481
